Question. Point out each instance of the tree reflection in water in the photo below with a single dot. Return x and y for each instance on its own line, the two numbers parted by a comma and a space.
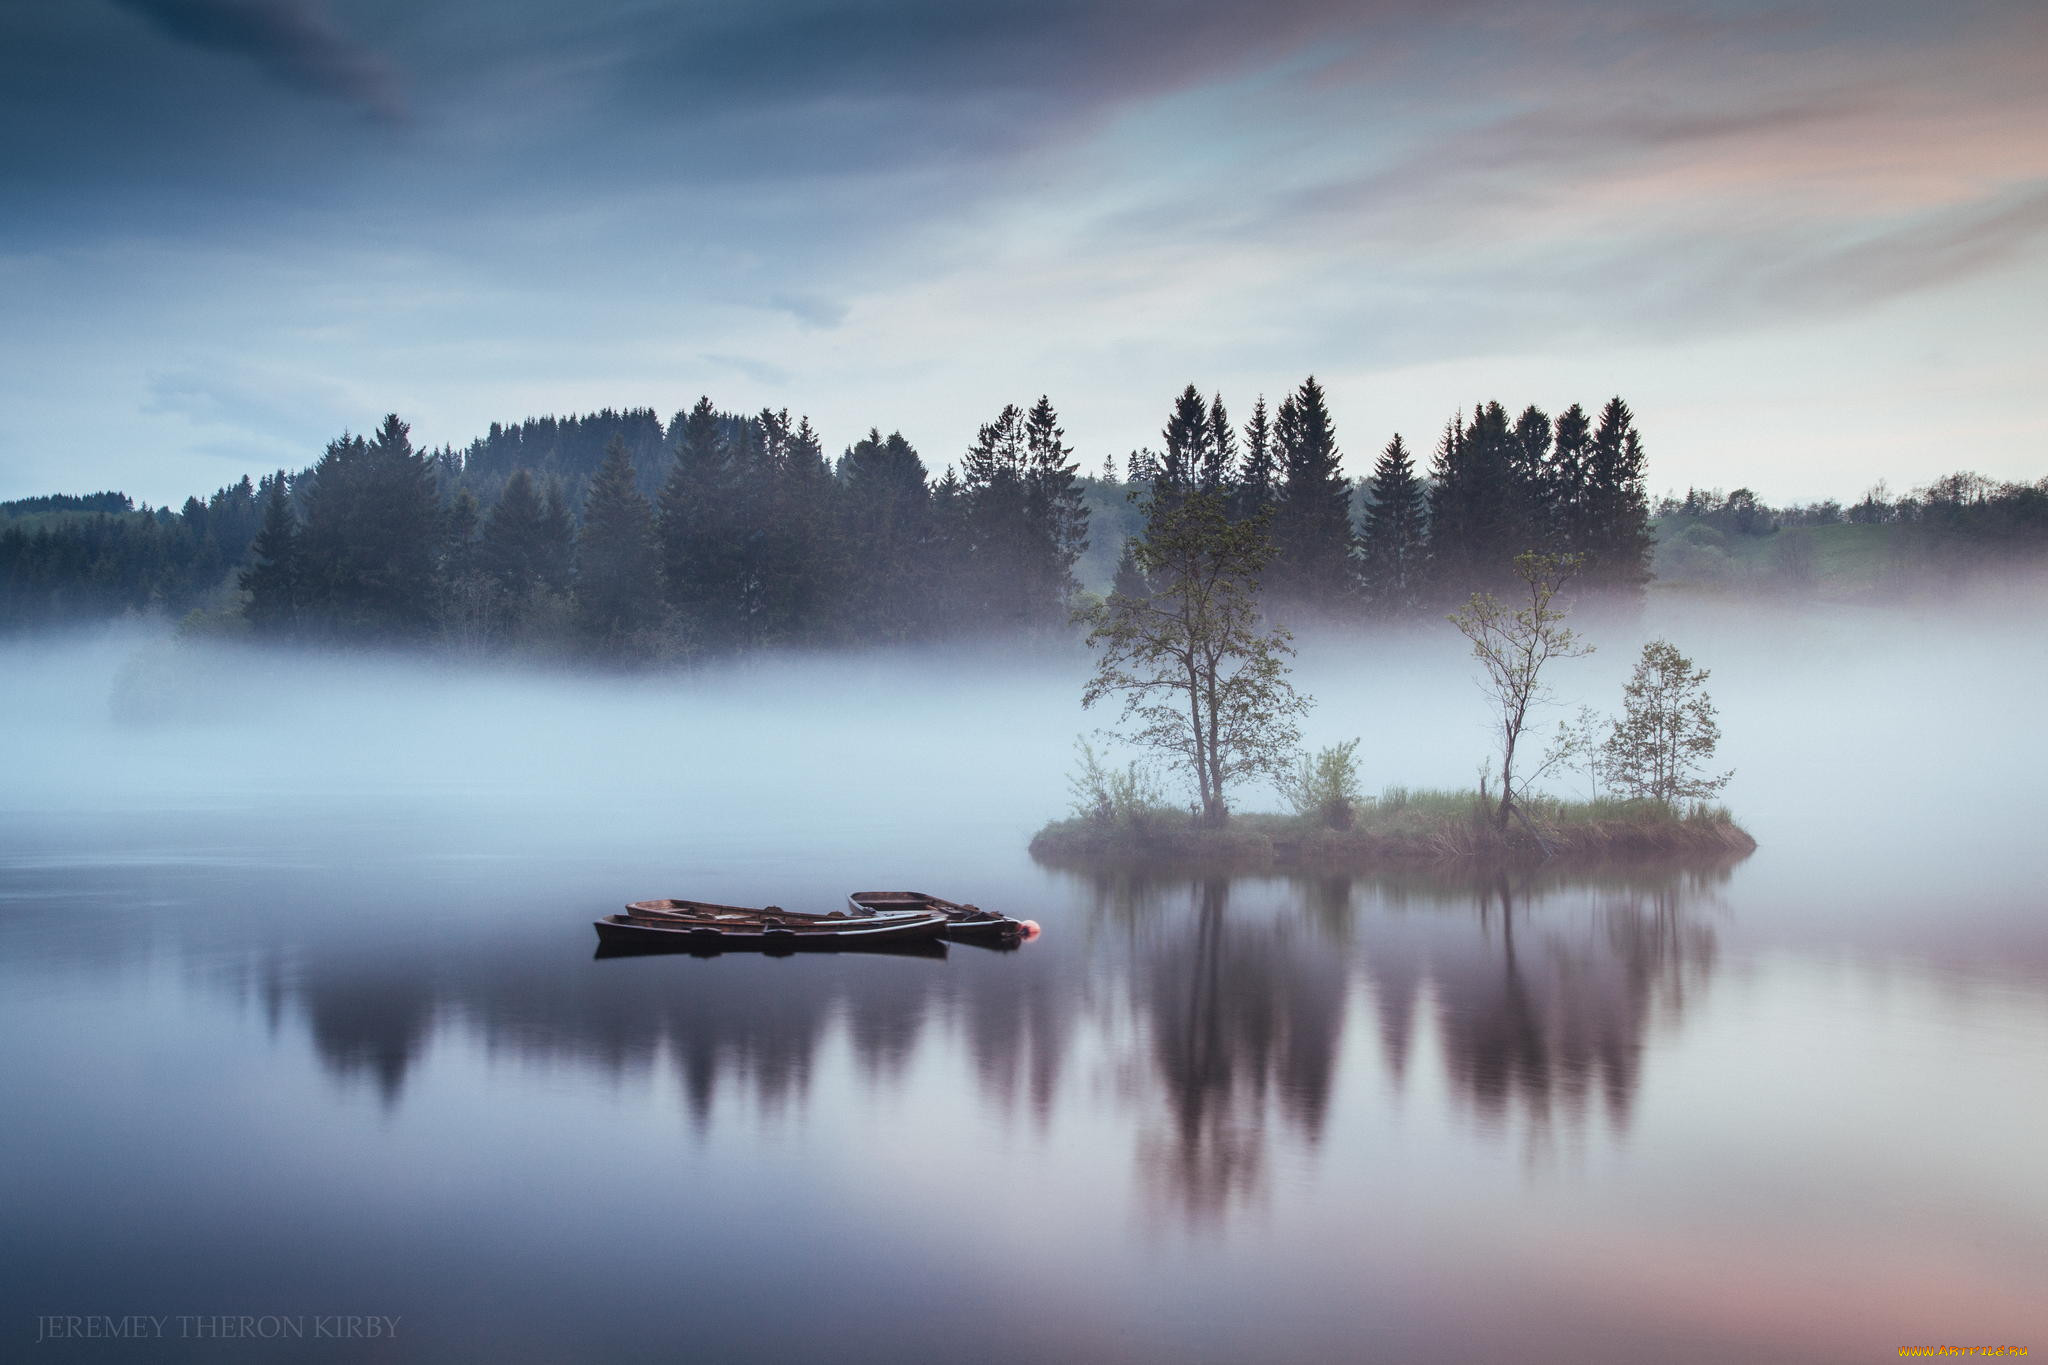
1220, 1007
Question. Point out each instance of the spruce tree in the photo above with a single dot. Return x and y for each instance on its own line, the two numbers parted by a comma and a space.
272, 576
1617, 504
557, 539
698, 525
885, 516
1312, 514
1058, 509
618, 565
1257, 475
1130, 579
371, 536
1221, 465
1395, 549
1569, 504
513, 550
1474, 505
1189, 457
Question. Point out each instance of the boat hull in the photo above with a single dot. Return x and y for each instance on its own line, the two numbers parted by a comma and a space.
646, 932
962, 921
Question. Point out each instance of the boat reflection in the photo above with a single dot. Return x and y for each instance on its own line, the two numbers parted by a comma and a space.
1229, 1013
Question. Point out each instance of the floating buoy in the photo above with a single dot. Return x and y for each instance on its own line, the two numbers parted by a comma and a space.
1030, 928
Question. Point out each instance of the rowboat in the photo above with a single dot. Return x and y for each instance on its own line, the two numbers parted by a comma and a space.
962, 921
701, 926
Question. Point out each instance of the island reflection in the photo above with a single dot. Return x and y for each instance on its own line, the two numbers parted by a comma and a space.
1222, 1008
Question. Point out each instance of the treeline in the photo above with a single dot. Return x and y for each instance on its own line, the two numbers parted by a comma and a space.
752, 538
1495, 487
617, 535
65, 558
1959, 527
1967, 504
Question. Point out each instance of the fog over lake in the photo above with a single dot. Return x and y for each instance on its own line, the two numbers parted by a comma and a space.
302, 1017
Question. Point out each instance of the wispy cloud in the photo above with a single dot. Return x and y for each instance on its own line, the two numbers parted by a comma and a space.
296, 41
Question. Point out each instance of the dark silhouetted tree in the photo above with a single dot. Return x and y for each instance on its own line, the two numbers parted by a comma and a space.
1312, 516
1618, 505
618, 565
1395, 551
272, 576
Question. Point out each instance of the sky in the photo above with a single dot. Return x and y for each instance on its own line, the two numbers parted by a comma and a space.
1807, 242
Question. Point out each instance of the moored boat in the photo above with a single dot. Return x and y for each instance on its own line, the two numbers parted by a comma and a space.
700, 926
962, 921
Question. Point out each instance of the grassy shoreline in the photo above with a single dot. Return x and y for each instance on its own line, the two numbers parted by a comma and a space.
1400, 825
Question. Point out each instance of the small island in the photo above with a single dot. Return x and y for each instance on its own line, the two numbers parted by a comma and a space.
1398, 825
1203, 681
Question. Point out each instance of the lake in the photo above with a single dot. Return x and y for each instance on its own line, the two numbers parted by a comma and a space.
305, 1031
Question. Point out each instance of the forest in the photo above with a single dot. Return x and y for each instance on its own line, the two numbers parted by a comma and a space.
617, 537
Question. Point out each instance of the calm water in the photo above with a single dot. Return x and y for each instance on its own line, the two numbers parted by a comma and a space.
302, 1018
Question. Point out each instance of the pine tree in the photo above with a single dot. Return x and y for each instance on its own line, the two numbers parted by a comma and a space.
371, 536
1395, 542
1057, 507
1312, 515
1257, 475
886, 524
1617, 504
1190, 455
1025, 519
272, 577
1221, 465
1569, 504
618, 565
799, 565
1529, 469
1474, 505
513, 550
557, 558
1130, 580
698, 522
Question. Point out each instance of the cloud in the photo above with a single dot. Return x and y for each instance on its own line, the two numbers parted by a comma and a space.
296, 41
760, 371
813, 310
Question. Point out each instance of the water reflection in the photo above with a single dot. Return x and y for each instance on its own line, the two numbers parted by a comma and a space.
1537, 990
1219, 1007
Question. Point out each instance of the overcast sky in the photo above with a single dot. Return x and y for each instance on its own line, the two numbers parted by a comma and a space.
1808, 242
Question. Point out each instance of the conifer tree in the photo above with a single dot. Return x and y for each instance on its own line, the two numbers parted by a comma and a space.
1474, 518
798, 565
1395, 549
371, 536
618, 565
557, 539
1256, 478
1190, 455
1312, 515
886, 523
1130, 580
272, 576
1617, 504
513, 551
1057, 507
1569, 504
1221, 464
1026, 521
1529, 468
699, 527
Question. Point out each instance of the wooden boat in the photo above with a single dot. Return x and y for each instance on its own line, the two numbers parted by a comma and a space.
962, 921
700, 926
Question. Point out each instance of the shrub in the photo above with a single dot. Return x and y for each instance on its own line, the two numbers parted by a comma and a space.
1108, 796
1326, 785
